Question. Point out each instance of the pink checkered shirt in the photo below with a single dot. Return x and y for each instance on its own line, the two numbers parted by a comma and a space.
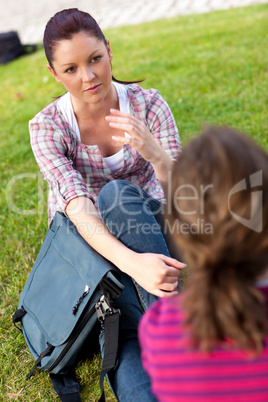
73, 169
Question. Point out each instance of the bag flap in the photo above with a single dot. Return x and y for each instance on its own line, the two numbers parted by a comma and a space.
66, 265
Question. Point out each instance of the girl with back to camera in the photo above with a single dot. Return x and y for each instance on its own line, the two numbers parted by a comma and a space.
106, 148
211, 343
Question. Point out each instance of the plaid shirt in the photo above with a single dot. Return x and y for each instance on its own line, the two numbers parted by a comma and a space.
73, 169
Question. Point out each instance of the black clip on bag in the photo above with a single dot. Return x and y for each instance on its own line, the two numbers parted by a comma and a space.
65, 294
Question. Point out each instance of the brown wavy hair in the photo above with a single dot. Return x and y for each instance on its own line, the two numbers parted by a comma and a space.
219, 215
66, 23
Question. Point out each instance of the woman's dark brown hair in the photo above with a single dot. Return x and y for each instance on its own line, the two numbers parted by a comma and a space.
218, 213
66, 23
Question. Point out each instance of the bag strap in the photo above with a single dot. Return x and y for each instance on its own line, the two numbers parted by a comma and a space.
17, 317
46, 352
109, 318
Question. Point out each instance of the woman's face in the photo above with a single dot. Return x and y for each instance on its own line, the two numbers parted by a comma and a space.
82, 65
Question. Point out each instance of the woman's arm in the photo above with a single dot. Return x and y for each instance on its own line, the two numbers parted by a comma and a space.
156, 273
53, 147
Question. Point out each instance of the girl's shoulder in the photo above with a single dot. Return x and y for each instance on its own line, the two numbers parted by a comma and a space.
50, 115
143, 101
136, 92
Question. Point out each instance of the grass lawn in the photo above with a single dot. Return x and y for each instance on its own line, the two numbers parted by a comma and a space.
210, 68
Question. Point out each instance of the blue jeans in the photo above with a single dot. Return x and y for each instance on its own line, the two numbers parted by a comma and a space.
135, 219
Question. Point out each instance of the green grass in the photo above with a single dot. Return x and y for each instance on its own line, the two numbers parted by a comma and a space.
210, 68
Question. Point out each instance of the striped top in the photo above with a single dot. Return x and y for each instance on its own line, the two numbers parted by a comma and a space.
179, 373
73, 169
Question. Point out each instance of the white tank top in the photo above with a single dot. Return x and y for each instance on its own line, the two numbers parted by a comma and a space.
114, 162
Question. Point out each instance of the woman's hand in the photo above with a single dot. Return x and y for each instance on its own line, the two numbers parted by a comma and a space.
140, 137
143, 141
156, 273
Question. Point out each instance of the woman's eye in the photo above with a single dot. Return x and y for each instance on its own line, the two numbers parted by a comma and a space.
95, 59
70, 70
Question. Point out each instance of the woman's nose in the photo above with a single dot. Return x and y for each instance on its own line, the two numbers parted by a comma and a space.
87, 74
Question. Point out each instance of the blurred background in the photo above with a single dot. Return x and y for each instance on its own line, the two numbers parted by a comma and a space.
29, 17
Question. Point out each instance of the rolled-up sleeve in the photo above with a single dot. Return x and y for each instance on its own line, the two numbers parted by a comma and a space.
53, 151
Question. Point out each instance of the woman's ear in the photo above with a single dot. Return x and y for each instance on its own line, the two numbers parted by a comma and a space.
109, 50
54, 75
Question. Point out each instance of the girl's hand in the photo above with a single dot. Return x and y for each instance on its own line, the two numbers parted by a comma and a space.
156, 273
141, 138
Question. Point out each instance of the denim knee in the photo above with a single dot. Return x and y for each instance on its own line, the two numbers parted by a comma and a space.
118, 192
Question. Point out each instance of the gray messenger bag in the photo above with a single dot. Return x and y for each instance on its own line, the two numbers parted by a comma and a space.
69, 289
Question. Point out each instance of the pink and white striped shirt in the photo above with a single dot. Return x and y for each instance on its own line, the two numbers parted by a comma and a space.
73, 169
180, 373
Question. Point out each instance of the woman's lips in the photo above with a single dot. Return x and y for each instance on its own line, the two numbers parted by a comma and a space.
93, 89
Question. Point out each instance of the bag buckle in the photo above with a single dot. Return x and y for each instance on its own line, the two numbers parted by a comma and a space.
104, 308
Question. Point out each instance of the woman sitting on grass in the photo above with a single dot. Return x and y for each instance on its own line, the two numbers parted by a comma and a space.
211, 343
106, 148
